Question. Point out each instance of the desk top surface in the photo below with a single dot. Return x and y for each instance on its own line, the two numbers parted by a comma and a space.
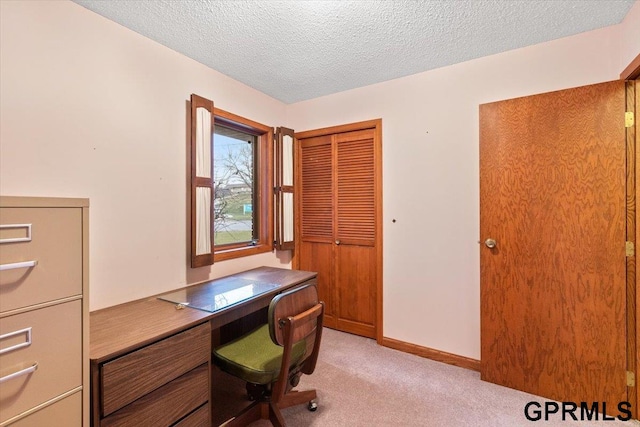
124, 327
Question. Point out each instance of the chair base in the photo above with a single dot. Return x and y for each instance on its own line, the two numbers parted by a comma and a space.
265, 409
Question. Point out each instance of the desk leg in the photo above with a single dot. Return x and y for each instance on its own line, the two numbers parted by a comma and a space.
215, 341
215, 338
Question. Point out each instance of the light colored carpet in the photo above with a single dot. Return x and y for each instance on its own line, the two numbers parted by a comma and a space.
360, 384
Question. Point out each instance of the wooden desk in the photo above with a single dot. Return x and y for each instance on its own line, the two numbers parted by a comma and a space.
151, 361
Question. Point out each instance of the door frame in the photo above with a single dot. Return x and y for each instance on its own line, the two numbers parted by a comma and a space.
631, 74
376, 125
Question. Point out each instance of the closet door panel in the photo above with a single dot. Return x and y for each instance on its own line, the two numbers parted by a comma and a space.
355, 192
355, 232
317, 190
316, 218
318, 257
355, 295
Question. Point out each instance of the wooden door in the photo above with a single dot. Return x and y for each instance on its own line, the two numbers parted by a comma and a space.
355, 232
633, 294
339, 226
552, 196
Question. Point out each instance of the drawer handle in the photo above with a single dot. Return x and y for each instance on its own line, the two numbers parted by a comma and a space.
13, 266
16, 239
26, 343
20, 373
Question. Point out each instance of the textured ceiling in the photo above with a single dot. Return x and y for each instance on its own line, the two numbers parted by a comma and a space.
298, 50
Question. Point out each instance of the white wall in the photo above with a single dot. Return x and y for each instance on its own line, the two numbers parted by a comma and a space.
91, 109
629, 36
430, 174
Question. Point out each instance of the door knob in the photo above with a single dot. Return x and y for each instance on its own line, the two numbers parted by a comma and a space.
337, 242
490, 243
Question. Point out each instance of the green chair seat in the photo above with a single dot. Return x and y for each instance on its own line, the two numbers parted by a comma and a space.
254, 357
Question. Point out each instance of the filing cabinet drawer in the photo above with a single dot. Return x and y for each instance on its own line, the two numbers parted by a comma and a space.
130, 377
55, 246
56, 348
64, 413
167, 404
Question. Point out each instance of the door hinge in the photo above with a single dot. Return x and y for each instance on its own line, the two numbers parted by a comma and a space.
629, 119
629, 248
631, 379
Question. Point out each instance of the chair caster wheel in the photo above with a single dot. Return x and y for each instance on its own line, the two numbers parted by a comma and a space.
313, 406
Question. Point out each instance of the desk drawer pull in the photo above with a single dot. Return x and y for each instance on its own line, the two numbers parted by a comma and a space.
27, 238
13, 266
26, 343
20, 373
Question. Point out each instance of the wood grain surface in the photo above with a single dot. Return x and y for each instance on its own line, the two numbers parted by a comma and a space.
167, 404
552, 189
355, 228
632, 347
130, 377
198, 418
291, 304
316, 189
199, 181
634, 304
355, 295
632, 71
355, 213
112, 333
340, 215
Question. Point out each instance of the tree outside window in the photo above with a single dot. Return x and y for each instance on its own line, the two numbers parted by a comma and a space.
234, 186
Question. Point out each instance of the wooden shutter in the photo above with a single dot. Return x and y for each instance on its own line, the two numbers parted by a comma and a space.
355, 188
284, 188
316, 205
202, 191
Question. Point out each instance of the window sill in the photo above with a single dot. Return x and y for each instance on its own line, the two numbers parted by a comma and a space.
222, 255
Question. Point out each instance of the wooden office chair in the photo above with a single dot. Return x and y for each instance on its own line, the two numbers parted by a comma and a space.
273, 357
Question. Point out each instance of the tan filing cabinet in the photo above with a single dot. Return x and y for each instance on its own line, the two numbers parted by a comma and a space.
44, 370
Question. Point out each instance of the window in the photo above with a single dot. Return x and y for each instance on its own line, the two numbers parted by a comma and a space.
243, 185
231, 185
234, 165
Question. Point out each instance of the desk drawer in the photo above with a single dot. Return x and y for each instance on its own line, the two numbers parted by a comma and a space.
130, 377
199, 418
56, 347
55, 245
167, 404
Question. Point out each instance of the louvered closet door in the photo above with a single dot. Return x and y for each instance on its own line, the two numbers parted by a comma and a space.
316, 217
338, 226
355, 232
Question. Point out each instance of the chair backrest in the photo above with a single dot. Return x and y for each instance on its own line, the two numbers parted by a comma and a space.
296, 315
